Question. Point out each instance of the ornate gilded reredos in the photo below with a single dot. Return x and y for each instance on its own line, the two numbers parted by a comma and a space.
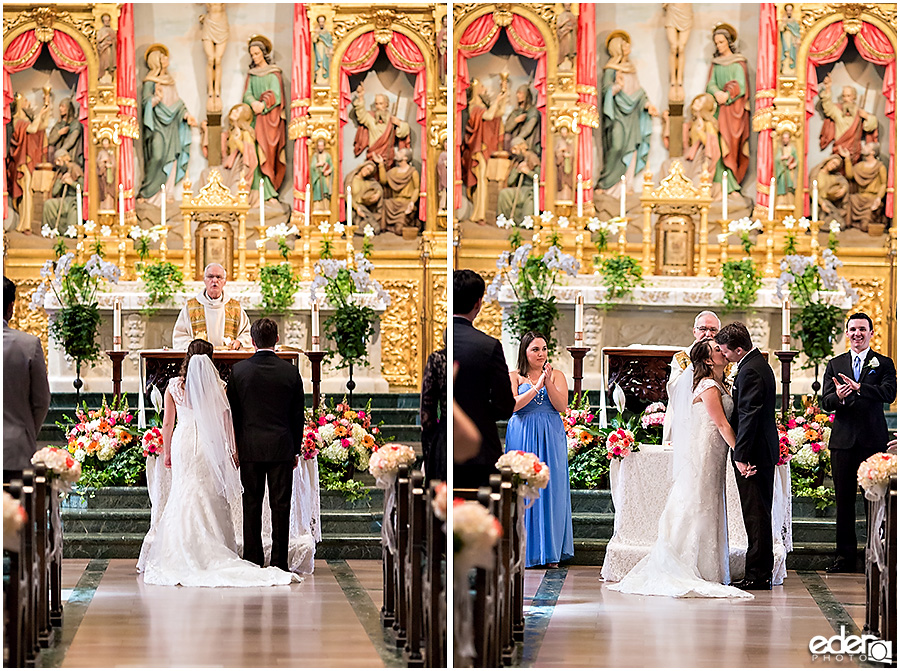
676, 185
45, 17
870, 301
216, 194
503, 12
851, 14
384, 19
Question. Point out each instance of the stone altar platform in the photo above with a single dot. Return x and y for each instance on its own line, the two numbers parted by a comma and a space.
141, 331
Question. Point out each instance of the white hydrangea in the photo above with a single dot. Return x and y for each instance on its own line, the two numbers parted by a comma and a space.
796, 437
806, 458
334, 452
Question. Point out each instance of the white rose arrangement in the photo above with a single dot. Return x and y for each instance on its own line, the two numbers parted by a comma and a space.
530, 473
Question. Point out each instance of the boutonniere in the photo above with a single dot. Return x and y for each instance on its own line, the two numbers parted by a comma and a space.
872, 364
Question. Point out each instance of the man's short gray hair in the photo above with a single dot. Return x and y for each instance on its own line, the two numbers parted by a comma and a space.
703, 314
215, 263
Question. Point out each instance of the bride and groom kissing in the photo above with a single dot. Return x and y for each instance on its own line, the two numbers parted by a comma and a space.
691, 556
223, 452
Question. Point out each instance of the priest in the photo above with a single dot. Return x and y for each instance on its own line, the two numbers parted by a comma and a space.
213, 316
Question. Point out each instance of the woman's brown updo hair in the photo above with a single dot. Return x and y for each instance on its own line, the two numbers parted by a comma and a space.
197, 346
700, 353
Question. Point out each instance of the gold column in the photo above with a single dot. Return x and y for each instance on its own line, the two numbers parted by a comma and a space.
306, 233
645, 239
723, 249
579, 251
242, 246
122, 241
187, 195
260, 247
703, 270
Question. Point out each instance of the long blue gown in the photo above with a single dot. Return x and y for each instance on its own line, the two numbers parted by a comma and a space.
538, 428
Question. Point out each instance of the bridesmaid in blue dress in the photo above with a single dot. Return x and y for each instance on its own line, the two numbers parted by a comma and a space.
536, 426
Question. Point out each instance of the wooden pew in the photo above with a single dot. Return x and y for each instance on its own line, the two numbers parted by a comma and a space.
413, 595
401, 535
487, 607
506, 514
15, 591
434, 589
881, 586
32, 562
42, 494
888, 591
56, 557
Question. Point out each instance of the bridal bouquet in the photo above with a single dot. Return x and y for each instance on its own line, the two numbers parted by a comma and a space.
875, 473
530, 474
475, 533
620, 443
387, 460
14, 519
152, 442
59, 464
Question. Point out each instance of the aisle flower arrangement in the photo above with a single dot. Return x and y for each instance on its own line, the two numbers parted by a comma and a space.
60, 464
14, 519
475, 533
386, 460
530, 474
803, 441
875, 473
343, 440
439, 502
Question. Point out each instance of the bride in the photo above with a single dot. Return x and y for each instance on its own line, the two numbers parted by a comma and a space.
194, 542
690, 556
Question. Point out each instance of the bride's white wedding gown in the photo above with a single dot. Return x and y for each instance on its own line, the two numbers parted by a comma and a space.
193, 543
690, 555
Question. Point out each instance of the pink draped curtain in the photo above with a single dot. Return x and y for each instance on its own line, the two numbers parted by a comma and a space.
126, 86
21, 54
301, 94
766, 80
875, 47
359, 57
477, 39
587, 96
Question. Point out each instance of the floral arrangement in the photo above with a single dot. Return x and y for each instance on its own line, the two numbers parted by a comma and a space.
515, 237
475, 533
577, 421
588, 466
162, 279
281, 233
791, 225
343, 440
59, 247
352, 325
620, 443
605, 230
532, 279
386, 460
439, 502
817, 324
75, 286
743, 228
14, 519
529, 473
652, 419
834, 227
875, 473
143, 237
59, 463
803, 441
152, 442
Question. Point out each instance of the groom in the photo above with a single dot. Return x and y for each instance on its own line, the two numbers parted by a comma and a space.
755, 449
266, 396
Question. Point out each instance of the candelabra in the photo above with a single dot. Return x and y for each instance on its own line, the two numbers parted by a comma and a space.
348, 248
814, 246
306, 235
260, 247
723, 250
79, 242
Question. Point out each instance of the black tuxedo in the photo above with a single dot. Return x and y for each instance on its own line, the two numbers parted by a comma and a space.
756, 443
483, 391
266, 396
859, 431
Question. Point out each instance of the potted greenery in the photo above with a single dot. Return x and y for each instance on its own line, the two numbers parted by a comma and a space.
278, 282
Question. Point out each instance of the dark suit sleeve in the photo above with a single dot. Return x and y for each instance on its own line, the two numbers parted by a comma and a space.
501, 393
830, 400
298, 419
40, 387
749, 413
234, 402
885, 389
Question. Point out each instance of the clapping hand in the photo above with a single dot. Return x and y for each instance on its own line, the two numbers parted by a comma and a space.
747, 470
845, 386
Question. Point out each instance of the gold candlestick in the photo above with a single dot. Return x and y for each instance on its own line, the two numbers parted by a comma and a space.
814, 246
306, 233
163, 241
242, 247
348, 248
260, 247
126, 274
723, 250
770, 249
79, 242
622, 237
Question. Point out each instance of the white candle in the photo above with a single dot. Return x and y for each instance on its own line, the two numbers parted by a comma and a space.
121, 206
724, 195
579, 318
786, 324
262, 205
306, 204
315, 324
815, 200
117, 324
772, 200
162, 206
78, 202
622, 199
578, 191
537, 207
349, 208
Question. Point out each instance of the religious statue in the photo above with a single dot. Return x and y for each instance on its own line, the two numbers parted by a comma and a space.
106, 50
61, 209
868, 187
481, 139
700, 139
264, 92
401, 194
785, 171
845, 122
321, 177
442, 177
166, 125
524, 122
442, 50
833, 189
729, 84
106, 175
323, 49
790, 40
239, 158
67, 133
516, 201
567, 38
378, 129
679, 21
626, 114
565, 164
214, 35
24, 152
367, 194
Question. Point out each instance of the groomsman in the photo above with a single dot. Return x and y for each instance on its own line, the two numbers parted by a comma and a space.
857, 385
481, 388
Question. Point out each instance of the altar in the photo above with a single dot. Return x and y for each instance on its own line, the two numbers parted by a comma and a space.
640, 485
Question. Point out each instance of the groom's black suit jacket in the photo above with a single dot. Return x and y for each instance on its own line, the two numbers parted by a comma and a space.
753, 417
859, 420
266, 396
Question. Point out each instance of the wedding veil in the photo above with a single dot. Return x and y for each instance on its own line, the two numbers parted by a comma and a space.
215, 431
680, 400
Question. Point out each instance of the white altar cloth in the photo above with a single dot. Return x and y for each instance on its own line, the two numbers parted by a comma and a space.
640, 485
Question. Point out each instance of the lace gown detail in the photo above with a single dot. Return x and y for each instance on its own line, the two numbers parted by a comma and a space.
194, 543
690, 556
